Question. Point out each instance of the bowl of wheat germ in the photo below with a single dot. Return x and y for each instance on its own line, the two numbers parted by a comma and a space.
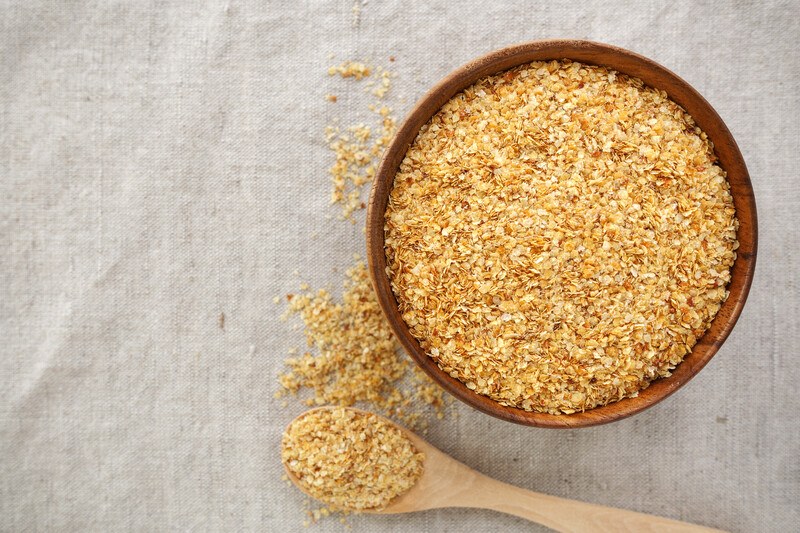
562, 233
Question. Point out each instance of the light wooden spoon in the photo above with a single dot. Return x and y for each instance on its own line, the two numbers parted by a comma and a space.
446, 482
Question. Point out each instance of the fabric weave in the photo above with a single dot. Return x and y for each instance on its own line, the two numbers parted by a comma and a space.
163, 164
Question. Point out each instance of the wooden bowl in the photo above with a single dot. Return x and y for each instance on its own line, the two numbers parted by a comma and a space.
653, 74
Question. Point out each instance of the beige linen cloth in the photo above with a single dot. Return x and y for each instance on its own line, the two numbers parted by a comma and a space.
163, 164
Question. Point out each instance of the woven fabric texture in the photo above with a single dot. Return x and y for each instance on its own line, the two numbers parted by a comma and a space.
163, 164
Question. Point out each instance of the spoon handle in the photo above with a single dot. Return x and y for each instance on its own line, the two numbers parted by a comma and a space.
566, 515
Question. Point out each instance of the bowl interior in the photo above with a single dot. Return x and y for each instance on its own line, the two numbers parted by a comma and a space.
654, 75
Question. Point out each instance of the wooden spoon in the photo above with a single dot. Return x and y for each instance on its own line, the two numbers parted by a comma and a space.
446, 482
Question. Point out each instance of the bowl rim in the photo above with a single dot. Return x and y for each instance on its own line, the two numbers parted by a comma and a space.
654, 75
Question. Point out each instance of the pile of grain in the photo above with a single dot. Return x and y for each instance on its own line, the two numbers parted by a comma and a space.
358, 360
357, 148
560, 235
351, 460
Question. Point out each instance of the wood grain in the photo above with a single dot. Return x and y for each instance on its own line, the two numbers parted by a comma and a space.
653, 74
